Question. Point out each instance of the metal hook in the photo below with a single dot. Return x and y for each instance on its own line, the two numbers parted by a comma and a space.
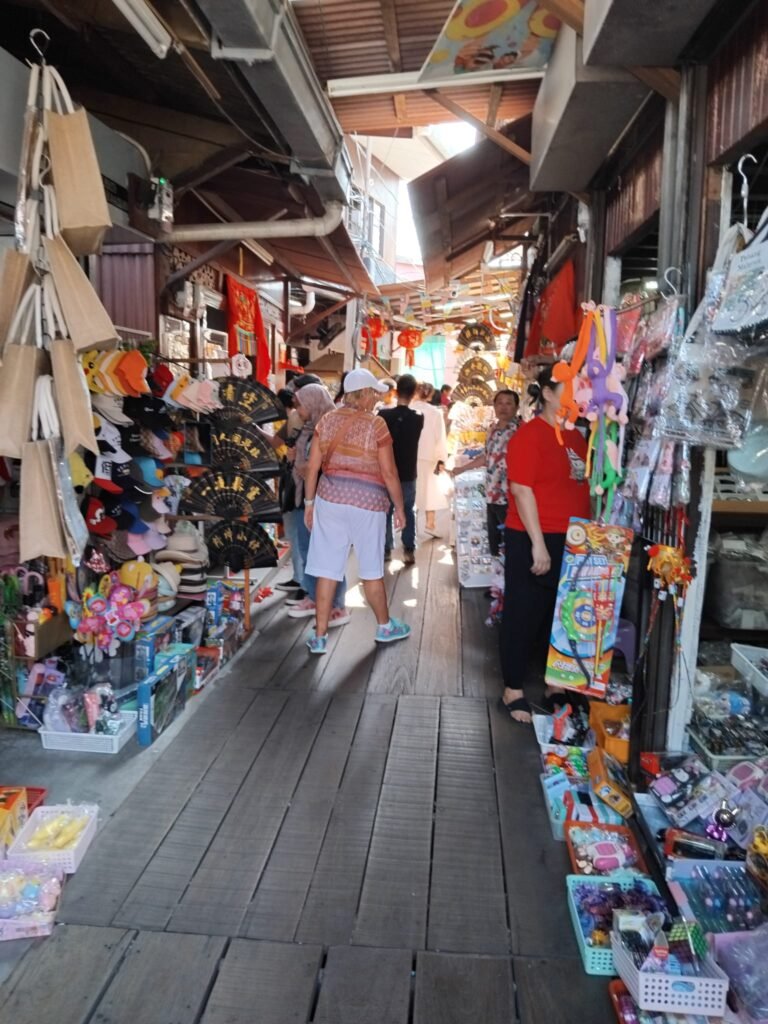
745, 182
667, 280
40, 48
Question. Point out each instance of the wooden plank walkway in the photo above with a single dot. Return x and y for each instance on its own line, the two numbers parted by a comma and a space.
353, 838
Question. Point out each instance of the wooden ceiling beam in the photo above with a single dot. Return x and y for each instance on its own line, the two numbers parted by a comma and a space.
491, 133
391, 34
401, 107
211, 167
665, 81
314, 321
494, 99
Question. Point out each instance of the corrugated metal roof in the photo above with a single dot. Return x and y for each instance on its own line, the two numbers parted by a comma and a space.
346, 37
376, 113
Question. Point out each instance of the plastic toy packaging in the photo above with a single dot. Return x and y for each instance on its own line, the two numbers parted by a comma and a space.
59, 833
627, 321
664, 326
743, 957
26, 892
102, 710
641, 466
660, 494
603, 850
681, 482
723, 899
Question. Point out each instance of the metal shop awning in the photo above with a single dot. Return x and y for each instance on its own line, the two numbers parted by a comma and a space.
471, 199
241, 194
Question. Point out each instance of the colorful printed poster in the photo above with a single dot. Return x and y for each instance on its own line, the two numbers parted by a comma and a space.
492, 35
589, 596
246, 328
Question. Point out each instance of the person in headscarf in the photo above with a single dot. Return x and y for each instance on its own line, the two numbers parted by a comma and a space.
311, 402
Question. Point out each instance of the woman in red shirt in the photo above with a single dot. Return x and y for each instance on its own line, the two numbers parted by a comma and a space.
547, 486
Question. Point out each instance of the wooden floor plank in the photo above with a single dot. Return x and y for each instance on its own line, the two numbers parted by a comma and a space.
465, 990
393, 913
264, 983
221, 889
365, 986
279, 900
396, 665
61, 980
439, 666
480, 666
558, 990
329, 913
167, 875
535, 864
467, 908
164, 979
127, 842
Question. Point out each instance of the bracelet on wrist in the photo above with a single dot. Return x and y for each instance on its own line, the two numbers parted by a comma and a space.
309, 501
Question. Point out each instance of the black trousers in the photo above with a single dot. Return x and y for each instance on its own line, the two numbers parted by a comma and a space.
496, 516
529, 603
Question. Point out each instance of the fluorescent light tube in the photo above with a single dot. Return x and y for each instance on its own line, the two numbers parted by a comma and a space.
146, 23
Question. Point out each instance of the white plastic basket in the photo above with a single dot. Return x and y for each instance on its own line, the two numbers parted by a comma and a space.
67, 861
92, 742
672, 993
745, 659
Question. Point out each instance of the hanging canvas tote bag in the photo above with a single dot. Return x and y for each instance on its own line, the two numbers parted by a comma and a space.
88, 323
16, 276
51, 524
83, 213
744, 303
23, 362
73, 400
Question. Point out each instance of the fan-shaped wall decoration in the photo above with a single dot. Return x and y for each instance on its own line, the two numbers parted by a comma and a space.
241, 447
476, 368
241, 546
476, 393
477, 336
248, 402
230, 494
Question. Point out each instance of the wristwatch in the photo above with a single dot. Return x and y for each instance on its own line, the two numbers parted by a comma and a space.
309, 501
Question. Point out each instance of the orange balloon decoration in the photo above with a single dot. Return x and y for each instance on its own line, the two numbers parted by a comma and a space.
373, 329
410, 339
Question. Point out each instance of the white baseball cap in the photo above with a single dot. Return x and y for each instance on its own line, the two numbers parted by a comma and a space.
358, 380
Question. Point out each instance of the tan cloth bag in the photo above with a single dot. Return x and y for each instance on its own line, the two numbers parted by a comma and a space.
83, 212
73, 400
23, 362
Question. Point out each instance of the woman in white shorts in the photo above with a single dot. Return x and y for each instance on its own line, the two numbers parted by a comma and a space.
348, 507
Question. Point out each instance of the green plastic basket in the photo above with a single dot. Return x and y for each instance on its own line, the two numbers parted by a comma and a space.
599, 960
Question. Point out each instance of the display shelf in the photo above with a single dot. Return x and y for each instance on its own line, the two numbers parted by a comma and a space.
730, 499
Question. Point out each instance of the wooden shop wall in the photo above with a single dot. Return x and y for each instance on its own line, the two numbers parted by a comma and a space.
635, 196
124, 279
737, 103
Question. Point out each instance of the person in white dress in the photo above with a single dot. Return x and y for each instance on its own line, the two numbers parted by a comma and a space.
433, 453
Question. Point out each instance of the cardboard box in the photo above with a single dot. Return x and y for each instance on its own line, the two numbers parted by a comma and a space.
154, 636
13, 814
162, 696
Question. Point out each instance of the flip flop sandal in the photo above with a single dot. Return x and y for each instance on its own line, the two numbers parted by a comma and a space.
520, 704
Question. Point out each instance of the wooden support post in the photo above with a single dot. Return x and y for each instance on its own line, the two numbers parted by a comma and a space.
391, 34
491, 133
247, 597
494, 99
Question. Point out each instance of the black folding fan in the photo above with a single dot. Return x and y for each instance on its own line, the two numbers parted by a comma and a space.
241, 546
474, 394
230, 494
238, 446
247, 401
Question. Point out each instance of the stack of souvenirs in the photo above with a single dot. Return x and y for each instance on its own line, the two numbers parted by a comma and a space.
135, 480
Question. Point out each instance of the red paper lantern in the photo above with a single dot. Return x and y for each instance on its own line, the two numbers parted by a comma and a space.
373, 329
410, 339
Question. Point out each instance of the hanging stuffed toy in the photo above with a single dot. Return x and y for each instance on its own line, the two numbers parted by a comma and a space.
566, 373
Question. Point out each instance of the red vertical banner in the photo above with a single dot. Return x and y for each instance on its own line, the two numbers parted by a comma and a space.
556, 319
246, 328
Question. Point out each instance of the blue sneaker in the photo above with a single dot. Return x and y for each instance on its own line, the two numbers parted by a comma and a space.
317, 644
394, 630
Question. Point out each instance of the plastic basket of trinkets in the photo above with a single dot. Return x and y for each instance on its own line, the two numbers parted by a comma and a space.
752, 664
591, 903
564, 729
57, 836
668, 971
603, 850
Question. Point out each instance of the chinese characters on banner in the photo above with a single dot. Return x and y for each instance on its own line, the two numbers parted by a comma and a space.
246, 328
